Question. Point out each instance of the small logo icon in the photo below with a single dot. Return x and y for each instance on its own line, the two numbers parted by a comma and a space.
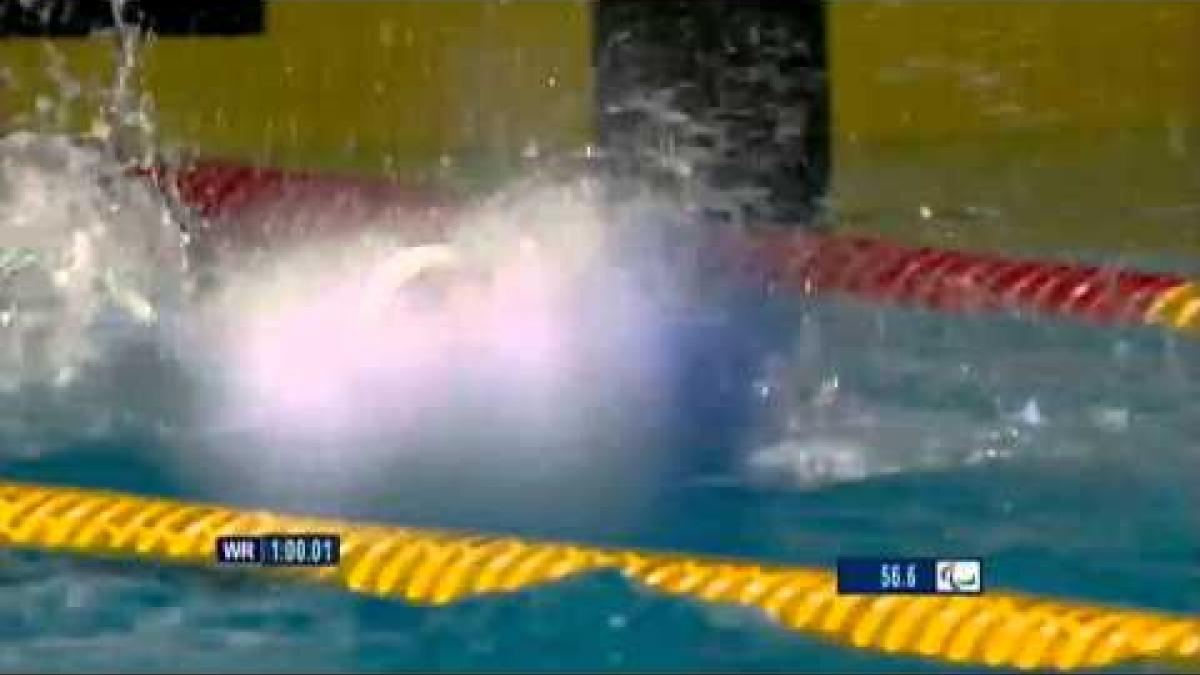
959, 576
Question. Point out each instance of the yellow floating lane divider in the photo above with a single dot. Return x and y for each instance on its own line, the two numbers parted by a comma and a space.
1178, 308
428, 567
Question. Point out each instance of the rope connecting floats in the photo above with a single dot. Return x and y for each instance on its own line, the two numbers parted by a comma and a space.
961, 282
878, 271
217, 189
437, 567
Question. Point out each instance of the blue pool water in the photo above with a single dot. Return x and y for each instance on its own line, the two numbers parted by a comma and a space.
1063, 455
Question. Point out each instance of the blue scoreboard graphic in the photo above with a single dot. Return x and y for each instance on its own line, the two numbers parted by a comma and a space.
912, 576
279, 550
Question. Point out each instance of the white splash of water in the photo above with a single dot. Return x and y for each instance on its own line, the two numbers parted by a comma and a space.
89, 262
515, 363
515, 360
81, 243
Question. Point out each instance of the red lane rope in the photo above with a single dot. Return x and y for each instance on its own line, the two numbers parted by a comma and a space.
954, 281
217, 189
875, 270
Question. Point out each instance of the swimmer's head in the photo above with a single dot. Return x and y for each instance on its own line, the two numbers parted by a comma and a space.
441, 288
418, 277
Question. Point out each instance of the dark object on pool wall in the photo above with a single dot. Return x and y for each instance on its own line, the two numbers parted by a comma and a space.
733, 89
80, 18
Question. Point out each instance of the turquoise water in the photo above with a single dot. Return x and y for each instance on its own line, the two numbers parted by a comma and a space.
1063, 455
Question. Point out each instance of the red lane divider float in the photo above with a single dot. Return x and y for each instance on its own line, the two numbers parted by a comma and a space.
875, 270
259, 206
217, 189
957, 281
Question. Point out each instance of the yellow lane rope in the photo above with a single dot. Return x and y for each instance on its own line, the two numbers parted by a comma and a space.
437, 567
1178, 308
